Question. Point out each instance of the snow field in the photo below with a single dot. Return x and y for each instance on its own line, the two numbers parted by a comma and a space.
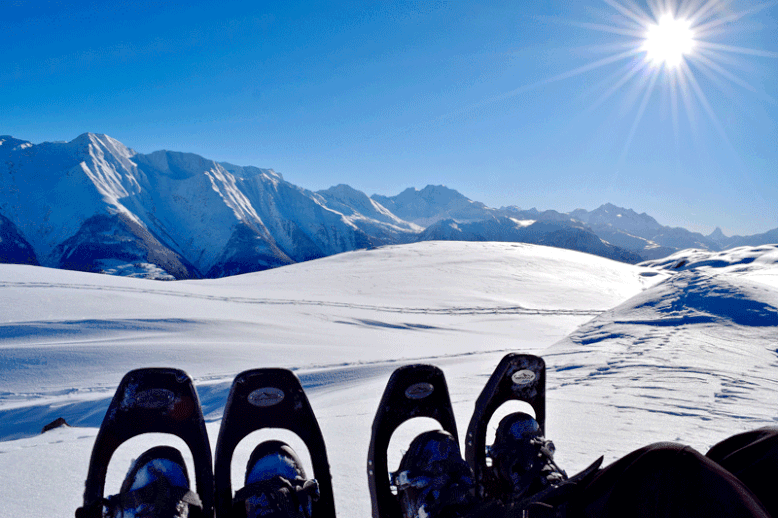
635, 354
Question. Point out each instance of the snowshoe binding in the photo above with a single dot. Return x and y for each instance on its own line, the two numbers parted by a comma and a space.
275, 485
434, 480
157, 486
522, 459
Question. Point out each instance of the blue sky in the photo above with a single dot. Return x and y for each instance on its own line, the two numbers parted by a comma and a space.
536, 104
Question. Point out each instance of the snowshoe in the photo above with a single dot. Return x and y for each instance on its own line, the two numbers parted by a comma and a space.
154, 400
519, 377
275, 485
157, 486
412, 391
434, 480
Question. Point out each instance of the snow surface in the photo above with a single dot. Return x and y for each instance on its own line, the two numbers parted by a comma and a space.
635, 354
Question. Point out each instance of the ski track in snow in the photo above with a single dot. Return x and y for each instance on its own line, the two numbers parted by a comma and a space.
470, 310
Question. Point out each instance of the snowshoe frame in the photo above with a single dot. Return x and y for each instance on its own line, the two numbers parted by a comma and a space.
412, 391
519, 377
151, 400
270, 398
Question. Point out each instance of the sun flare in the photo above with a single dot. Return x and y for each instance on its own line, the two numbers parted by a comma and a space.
668, 41
673, 52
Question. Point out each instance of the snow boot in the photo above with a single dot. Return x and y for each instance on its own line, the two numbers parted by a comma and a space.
522, 459
275, 485
156, 486
434, 481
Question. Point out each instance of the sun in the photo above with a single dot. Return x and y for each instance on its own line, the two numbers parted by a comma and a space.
668, 41
664, 48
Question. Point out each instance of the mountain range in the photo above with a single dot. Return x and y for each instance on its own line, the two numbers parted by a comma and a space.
93, 204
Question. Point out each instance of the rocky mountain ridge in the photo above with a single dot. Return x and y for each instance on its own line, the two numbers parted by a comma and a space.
93, 204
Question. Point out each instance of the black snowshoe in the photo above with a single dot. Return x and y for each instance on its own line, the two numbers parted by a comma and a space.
152, 401
432, 475
523, 474
520, 377
275, 485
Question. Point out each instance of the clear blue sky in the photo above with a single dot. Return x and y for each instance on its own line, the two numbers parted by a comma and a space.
535, 104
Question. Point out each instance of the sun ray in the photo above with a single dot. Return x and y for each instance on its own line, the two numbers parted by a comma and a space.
687, 9
570, 73
707, 10
704, 29
737, 50
634, 33
704, 102
627, 12
641, 110
627, 73
723, 72
686, 98
674, 110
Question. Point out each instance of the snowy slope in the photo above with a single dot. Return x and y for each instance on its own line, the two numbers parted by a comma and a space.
369, 215
635, 353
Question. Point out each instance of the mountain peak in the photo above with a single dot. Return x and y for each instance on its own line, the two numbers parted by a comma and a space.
9, 142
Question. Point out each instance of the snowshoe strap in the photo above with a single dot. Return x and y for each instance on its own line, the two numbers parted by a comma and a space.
158, 494
454, 495
552, 501
280, 494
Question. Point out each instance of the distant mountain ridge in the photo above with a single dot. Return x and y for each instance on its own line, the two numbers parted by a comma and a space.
93, 204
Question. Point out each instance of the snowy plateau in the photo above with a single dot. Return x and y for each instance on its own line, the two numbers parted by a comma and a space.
95, 205
681, 348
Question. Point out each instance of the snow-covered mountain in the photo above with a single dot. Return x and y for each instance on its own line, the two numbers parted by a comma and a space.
557, 233
640, 232
369, 215
434, 203
95, 205
14, 248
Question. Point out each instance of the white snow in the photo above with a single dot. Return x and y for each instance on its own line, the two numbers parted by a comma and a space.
523, 222
635, 354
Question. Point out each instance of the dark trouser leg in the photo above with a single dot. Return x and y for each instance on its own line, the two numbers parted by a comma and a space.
665, 480
753, 458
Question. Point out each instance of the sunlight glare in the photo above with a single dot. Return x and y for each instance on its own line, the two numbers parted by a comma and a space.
668, 41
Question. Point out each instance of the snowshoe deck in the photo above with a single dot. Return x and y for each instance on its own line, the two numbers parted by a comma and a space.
154, 400
519, 377
270, 398
412, 391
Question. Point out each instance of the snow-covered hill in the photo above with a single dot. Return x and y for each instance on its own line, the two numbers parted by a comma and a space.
635, 353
